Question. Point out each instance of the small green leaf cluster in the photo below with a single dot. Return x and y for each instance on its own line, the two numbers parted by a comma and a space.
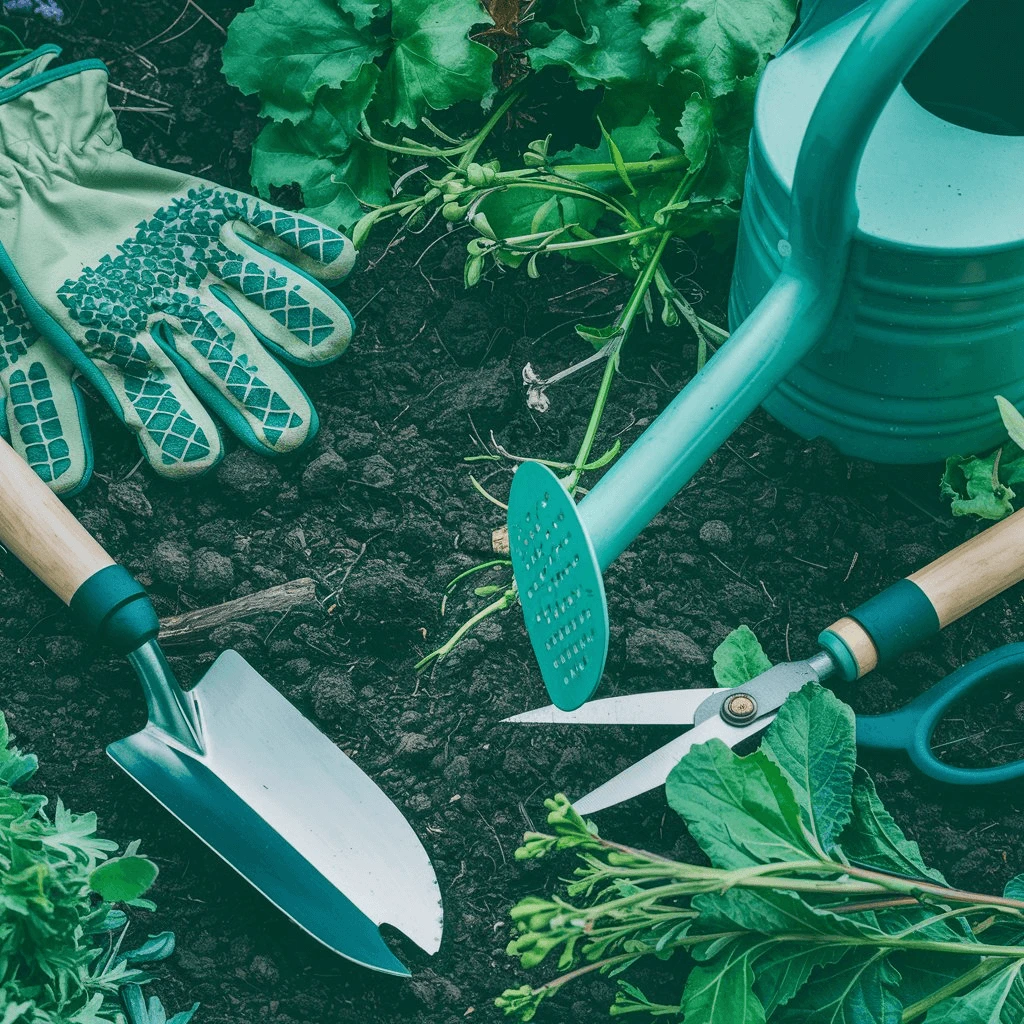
815, 906
61, 935
983, 486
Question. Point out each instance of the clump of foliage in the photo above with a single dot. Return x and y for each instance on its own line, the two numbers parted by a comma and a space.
983, 486
815, 905
64, 902
651, 102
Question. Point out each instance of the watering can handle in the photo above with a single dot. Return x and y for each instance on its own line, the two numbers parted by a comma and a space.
908, 612
49, 541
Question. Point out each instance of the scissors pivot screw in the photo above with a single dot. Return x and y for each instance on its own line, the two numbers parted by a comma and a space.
739, 709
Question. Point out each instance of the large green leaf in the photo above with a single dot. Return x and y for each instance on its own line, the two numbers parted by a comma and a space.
597, 41
325, 157
784, 968
874, 840
303, 153
812, 741
434, 63
721, 992
860, 988
739, 658
741, 810
997, 1000
287, 50
775, 911
721, 40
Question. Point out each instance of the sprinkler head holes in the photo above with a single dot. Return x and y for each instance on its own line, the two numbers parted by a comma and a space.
560, 586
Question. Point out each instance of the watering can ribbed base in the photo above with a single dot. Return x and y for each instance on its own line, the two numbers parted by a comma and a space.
930, 324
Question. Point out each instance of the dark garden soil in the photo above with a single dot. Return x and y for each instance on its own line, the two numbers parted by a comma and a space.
777, 532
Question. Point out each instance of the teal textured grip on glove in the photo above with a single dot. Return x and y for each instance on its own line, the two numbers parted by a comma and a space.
171, 295
113, 607
43, 416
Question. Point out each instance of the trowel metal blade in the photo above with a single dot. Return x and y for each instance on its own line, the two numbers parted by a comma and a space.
278, 801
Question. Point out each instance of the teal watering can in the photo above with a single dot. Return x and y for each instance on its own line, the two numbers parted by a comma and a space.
559, 550
930, 319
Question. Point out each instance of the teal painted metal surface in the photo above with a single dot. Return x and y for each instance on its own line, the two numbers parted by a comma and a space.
791, 317
930, 320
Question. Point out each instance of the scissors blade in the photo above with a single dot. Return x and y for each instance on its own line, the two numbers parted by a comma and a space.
653, 770
667, 707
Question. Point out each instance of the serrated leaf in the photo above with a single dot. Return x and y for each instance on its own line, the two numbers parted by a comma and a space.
874, 840
599, 43
739, 658
433, 64
722, 992
999, 999
741, 810
285, 51
812, 741
860, 988
720, 40
123, 878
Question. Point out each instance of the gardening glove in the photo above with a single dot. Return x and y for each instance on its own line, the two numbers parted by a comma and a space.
169, 294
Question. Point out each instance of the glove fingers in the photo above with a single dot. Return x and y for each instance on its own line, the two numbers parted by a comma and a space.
298, 316
45, 419
312, 247
227, 366
146, 390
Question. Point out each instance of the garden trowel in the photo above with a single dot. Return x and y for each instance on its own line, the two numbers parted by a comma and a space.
234, 761
559, 549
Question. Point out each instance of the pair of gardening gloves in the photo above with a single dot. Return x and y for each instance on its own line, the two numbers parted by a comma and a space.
177, 300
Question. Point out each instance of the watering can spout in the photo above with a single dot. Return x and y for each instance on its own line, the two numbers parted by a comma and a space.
559, 550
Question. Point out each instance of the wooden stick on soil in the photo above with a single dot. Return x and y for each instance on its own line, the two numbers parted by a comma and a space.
181, 629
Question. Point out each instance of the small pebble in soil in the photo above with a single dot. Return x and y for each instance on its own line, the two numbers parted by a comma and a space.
128, 496
243, 474
333, 694
171, 562
651, 647
212, 571
716, 534
324, 475
376, 470
414, 743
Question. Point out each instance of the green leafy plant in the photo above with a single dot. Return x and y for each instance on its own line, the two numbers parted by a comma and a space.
661, 97
815, 906
64, 902
739, 658
983, 486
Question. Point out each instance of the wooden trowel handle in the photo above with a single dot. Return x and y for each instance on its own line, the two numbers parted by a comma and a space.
38, 529
928, 600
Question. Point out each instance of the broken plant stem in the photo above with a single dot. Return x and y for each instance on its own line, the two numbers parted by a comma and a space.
498, 605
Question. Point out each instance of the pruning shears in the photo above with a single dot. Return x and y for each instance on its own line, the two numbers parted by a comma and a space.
882, 628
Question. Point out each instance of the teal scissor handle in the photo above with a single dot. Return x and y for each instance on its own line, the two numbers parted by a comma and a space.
911, 728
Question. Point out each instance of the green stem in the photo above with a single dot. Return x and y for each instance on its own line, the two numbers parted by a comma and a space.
489, 125
965, 981
499, 605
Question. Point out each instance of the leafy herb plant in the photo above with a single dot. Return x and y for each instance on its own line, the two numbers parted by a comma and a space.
815, 906
65, 898
653, 152
983, 487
